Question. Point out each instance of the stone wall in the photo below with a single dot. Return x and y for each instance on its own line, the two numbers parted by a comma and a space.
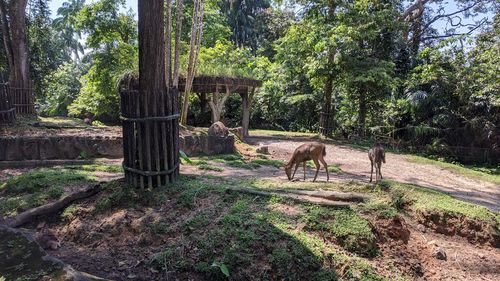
59, 147
77, 147
206, 145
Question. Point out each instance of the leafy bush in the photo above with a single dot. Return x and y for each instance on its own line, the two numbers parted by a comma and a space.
63, 86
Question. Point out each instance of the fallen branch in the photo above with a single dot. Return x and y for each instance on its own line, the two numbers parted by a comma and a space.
329, 195
297, 197
53, 207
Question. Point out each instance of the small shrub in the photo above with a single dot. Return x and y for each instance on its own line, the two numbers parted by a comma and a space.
399, 200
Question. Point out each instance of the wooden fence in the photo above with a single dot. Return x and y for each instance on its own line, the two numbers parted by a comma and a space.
23, 100
7, 110
150, 138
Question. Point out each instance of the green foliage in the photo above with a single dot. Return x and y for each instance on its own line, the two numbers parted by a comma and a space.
223, 268
241, 17
113, 38
224, 59
63, 86
46, 48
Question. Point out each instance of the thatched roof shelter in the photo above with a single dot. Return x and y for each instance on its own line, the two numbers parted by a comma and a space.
220, 88
208, 84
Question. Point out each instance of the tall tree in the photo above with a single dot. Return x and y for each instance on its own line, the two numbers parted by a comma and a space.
66, 25
194, 50
467, 17
177, 47
13, 16
241, 17
47, 48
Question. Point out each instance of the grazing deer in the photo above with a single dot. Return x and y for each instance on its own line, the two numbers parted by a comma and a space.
377, 156
308, 151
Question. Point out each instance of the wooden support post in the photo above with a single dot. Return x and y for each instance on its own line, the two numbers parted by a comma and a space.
246, 99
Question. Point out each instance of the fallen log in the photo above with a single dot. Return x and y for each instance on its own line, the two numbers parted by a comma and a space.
295, 197
53, 207
330, 195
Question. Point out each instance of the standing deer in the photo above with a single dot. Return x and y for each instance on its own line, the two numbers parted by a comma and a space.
377, 156
308, 151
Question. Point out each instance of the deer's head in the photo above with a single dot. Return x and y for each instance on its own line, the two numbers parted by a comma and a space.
288, 171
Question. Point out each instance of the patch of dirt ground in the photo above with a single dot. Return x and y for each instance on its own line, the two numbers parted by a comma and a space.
414, 255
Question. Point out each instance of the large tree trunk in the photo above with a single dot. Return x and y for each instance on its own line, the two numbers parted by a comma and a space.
20, 73
326, 118
6, 34
151, 48
195, 43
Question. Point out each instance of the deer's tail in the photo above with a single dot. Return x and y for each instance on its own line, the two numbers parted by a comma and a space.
324, 150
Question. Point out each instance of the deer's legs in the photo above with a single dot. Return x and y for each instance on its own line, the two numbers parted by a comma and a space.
326, 168
371, 173
316, 163
304, 164
380, 170
296, 167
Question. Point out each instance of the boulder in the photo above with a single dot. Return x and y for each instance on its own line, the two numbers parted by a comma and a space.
218, 129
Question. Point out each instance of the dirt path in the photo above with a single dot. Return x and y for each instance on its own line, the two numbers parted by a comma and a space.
356, 166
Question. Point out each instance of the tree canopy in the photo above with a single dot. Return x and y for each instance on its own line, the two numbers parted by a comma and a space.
424, 72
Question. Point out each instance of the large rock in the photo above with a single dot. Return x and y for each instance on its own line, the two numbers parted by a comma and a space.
206, 145
218, 129
23, 259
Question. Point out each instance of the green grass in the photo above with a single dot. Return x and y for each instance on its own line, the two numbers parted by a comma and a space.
237, 161
97, 168
210, 167
269, 162
349, 230
331, 168
425, 199
491, 175
253, 239
38, 187
391, 198
70, 212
